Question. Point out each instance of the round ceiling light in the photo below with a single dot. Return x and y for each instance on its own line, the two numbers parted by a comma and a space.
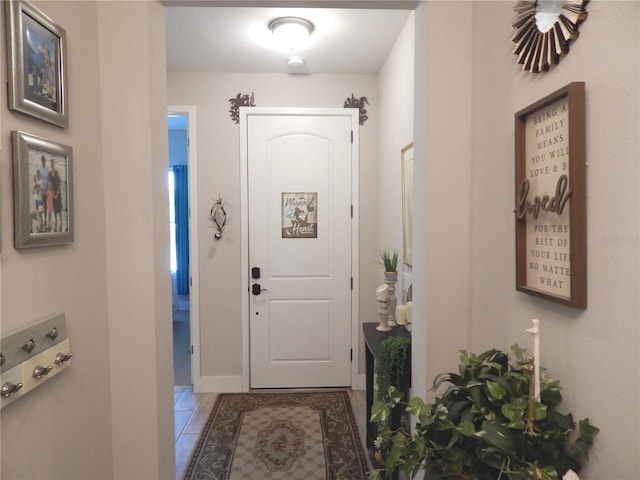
291, 32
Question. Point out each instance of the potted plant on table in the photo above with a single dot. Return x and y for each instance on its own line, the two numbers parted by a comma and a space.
390, 262
485, 426
391, 370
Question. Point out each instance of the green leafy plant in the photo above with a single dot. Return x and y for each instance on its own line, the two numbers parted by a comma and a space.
390, 260
390, 365
485, 426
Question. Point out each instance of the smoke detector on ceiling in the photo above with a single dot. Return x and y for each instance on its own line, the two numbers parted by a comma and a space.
295, 61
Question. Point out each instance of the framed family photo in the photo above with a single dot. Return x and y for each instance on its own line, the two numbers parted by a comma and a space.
37, 72
43, 191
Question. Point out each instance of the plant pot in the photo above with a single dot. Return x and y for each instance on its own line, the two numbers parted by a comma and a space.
390, 276
433, 474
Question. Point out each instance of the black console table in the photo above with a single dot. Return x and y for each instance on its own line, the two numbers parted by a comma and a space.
372, 340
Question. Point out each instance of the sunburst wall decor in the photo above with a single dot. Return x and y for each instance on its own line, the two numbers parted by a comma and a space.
539, 46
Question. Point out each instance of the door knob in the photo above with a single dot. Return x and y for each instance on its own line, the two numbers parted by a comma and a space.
256, 289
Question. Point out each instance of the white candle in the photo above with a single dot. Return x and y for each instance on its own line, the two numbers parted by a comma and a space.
409, 312
401, 314
535, 331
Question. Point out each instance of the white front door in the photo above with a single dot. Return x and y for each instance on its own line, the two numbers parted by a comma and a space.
299, 171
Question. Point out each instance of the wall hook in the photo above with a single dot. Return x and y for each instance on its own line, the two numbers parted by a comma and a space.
29, 346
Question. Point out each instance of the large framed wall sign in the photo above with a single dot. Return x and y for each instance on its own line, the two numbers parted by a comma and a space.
551, 217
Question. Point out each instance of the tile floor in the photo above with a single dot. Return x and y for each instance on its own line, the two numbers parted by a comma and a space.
181, 348
193, 409
191, 413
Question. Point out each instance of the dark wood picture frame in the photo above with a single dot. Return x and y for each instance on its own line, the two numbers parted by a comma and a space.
550, 187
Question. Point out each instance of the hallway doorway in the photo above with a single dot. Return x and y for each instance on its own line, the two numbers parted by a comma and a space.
180, 123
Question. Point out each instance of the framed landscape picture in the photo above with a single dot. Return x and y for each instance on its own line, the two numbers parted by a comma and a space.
37, 72
43, 191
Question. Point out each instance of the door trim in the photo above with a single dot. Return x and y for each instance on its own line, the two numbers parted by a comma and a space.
194, 288
245, 113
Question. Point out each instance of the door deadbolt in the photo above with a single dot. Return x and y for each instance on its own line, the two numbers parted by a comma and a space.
256, 289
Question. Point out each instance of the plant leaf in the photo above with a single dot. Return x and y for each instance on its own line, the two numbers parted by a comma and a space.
515, 413
545, 473
395, 396
467, 429
418, 408
496, 390
520, 354
380, 412
587, 431
497, 435
374, 475
539, 411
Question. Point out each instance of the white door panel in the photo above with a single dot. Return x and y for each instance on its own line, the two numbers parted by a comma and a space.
299, 189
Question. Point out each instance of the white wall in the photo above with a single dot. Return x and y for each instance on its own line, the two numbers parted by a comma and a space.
110, 414
467, 89
218, 174
595, 352
135, 149
66, 422
395, 87
442, 172
592, 351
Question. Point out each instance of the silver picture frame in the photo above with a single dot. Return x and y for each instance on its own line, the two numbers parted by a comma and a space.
36, 64
43, 200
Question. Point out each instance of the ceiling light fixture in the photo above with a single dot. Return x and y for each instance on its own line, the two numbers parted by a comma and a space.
291, 32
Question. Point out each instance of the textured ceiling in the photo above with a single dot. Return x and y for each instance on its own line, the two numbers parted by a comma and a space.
237, 39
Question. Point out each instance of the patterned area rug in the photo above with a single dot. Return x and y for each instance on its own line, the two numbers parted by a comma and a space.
273, 436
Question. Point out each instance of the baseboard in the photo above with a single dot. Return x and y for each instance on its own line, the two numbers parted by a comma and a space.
359, 382
234, 384
217, 384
